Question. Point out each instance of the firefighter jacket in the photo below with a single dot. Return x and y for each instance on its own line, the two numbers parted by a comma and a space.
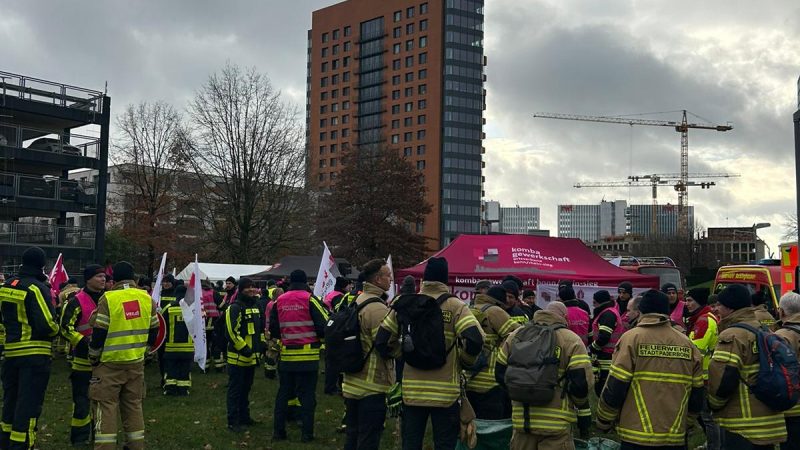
345, 300
178, 343
735, 407
578, 319
63, 296
75, 326
702, 329
571, 397
124, 325
764, 317
656, 377
167, 297
244, 331
378, 374
298, 319
790, 330
518, 315
437, 387
496, 325
27, 314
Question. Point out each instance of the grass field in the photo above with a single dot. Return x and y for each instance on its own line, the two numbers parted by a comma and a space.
199, 420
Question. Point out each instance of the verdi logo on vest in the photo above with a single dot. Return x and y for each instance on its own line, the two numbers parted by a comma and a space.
132, 310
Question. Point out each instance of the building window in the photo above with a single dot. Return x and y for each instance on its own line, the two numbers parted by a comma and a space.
408, 136
335, 34
335, 49
422, 89
335, 93
335, 79
347, 46
407, 151
409, 106
410, 12
334, 107
423, 25
345, 106
423, 58
421, 119
395, 80
396, 94
409, 77
396, 64
410, 28
324, 67
346, 61
395, 109
423, 8
345, 76
423, 73
395, 124
323, 109
420, 134
396, 48
421, 165
323, 136
324, 37
422, 104
345, 132
409, 91
323, 123
420, 150
408, 121
348, 30
395, 139
321, 149
423, 42
333, 176
397, 32
334, 134
334, 121
398, 15
323, 163
333, 148
323, 95
324, 52
345, 91
345, 119
322, 177
333, 162
409, 45
409, 61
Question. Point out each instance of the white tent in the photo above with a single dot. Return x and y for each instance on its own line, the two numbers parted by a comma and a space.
214, 272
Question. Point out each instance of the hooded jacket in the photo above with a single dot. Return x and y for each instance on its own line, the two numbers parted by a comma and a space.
656, 376
735, 407
790, 330
496, 325
571, 398
764, 317
701, 326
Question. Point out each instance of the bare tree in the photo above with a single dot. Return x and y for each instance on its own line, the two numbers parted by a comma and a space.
147, 155
790, 226
248, 150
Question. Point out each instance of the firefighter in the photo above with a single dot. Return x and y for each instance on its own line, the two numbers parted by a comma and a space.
124, 326
167, 298
701, 326
789, 310
244, 324
624, 295
550, 425
178, 348
655, 382
299, 319
759, 300
487, 398
746, 422
211, 306
76, 330
27, 315
348, 298
607, 328
513, 286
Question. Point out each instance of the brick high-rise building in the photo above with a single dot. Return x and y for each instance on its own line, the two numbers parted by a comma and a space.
405, 75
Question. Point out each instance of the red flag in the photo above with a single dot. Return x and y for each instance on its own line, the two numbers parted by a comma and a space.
57, 276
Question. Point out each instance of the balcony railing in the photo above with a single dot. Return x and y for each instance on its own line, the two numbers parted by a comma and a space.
47, 188
49, 141
18, 233
44, 91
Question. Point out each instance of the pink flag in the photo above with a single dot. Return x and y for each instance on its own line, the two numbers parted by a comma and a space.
57, 276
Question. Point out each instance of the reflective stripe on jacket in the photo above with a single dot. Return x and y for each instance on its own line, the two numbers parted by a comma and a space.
702, 328
793, 338
496, 325
27, 316
209, 305
179, 340
129, 320
87, 308
615, 333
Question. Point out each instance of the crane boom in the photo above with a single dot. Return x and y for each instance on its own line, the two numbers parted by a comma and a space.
630, 121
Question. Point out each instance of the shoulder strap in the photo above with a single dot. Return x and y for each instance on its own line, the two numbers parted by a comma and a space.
443, 298
557, 326
366, 302
486, 307
794, 328
745, 326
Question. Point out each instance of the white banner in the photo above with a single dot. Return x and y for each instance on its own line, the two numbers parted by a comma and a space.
192, 309
392, 291
156, 295
325, 280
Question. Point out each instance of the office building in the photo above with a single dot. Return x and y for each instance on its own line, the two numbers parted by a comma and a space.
47, 131
407, 76
592, 222
519, 220
640, 219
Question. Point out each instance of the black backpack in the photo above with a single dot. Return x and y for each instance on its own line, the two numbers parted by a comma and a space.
777, 381
421, 329
343, 339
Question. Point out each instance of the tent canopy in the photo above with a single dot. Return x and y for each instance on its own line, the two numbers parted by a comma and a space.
308, 264
215, 272
533, 259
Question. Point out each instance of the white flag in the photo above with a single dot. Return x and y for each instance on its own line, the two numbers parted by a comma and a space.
156, 295
325, 279
392, 290
192, 309
616, 261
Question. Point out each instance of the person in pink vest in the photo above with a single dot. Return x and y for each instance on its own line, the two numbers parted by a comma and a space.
341, 287
676, 307
211, 308
75, 329
607, 328
299, 318
624, 295
577, 312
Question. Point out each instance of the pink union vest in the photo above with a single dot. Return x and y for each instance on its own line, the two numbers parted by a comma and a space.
615, 335
578, 323
87, 308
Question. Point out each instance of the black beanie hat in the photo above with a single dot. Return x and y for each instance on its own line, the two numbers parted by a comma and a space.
566, 292
511, 287
272, 282
409, 285
626, 286
91, 270
245, 283
497, 293
516, 281
180, 292
231, 279
33, 257
528, 293
602, 296
297, 276
699, 295
436, 270
735, 296
654, 301
667, 286
168, 278
341, 283
123, 270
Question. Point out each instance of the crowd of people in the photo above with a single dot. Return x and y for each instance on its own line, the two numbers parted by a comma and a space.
658, 364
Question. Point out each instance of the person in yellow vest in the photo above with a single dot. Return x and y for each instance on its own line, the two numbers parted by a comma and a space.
124, 326
789, 310
746, 422
28, 317
178, 348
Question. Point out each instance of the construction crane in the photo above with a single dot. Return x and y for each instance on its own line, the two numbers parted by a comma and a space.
681, 127
660, 179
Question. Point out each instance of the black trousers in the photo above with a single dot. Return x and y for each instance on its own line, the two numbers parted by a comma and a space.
632, 446
25, 381
81, 425
303, 384
177, 374
240, 381
332, 378
793, 429
735, 441
602, 375
364, 419
493, 404
161, 368
445, 423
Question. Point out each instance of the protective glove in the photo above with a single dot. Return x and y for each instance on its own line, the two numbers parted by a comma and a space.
246, 351
394, 400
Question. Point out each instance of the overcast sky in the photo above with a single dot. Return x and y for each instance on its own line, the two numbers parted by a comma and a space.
726, 61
